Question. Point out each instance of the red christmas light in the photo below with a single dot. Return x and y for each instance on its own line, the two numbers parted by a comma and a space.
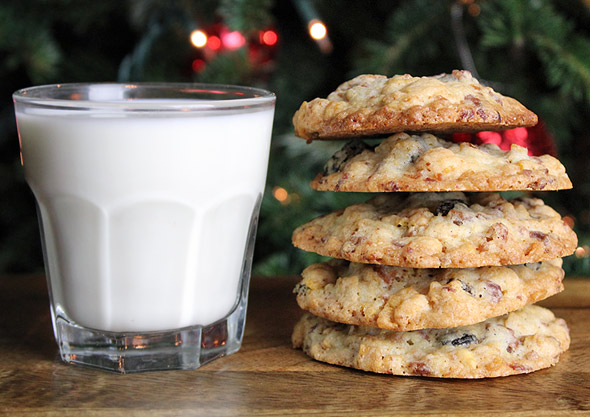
199, 65
233, 40
214, 43
269, 37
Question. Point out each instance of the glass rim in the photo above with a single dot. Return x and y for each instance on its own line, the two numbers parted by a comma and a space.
229, 97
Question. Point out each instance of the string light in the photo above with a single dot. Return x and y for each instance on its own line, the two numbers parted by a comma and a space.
199, 65
233, 40
214, 42
269, 37
582, 251
280, 194
198, 38
317, 30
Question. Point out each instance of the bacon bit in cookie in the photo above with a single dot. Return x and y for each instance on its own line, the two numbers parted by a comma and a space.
473, 99
481, 113
497, 231
392, 186
538, 185
372, 257
420, 368
538, 235
520, 367
494, 291
424, 334
513, 345
466, 114
384, 273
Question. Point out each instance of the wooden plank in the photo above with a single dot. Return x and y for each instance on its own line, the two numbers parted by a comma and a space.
268, 376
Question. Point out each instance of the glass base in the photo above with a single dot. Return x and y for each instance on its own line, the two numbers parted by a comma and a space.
186, 348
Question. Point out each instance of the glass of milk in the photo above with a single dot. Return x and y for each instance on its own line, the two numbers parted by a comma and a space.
148, 198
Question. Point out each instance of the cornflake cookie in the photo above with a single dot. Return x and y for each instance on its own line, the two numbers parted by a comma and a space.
440, 230
397, 298
427, 163
517, 343
375, 104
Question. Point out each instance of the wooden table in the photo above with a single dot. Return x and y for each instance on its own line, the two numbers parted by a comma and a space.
268, 377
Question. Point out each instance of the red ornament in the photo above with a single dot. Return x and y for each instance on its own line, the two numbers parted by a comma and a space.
536, 139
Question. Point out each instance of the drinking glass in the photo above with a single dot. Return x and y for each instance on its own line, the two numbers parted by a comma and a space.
148, 198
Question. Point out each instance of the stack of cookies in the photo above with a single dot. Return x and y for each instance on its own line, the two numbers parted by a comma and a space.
436, 275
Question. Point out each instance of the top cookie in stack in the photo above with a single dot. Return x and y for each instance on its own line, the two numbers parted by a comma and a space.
378, 285
375, 104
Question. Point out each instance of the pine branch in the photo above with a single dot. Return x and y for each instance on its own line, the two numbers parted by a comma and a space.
567, 66
228, 68
246, 16
407, 28
538, 28
36, 52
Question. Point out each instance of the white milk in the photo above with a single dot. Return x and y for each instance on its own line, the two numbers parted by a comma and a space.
145, 218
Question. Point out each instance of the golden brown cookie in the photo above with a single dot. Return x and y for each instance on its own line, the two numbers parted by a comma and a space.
519, 342
396, 298
440, 230
425, 162
375, 104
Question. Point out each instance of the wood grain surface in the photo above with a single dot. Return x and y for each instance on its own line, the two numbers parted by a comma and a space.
268, 377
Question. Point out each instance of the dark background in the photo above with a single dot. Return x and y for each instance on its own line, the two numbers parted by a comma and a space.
537, 51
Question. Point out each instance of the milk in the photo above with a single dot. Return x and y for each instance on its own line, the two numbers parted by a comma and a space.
145, 216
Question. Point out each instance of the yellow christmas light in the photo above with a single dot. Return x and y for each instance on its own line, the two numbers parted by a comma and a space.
280, 194
582, 251
317, 30
198, 38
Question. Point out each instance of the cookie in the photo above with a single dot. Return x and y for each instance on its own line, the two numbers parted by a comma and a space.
425, 162
375, 104
440, 230
396, 298
519, 342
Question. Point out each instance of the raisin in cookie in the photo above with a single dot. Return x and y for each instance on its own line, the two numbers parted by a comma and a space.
519, 342
375, 104
427, 163
440, 230
396, 298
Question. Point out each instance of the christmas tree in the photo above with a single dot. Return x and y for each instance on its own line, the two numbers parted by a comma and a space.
537, 51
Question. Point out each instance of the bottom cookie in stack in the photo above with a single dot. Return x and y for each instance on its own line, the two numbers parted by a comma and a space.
523, 341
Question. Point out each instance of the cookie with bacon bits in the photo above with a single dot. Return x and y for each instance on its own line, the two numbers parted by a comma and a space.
523, 341
403, 299
375, 104
425, 162
440, 230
